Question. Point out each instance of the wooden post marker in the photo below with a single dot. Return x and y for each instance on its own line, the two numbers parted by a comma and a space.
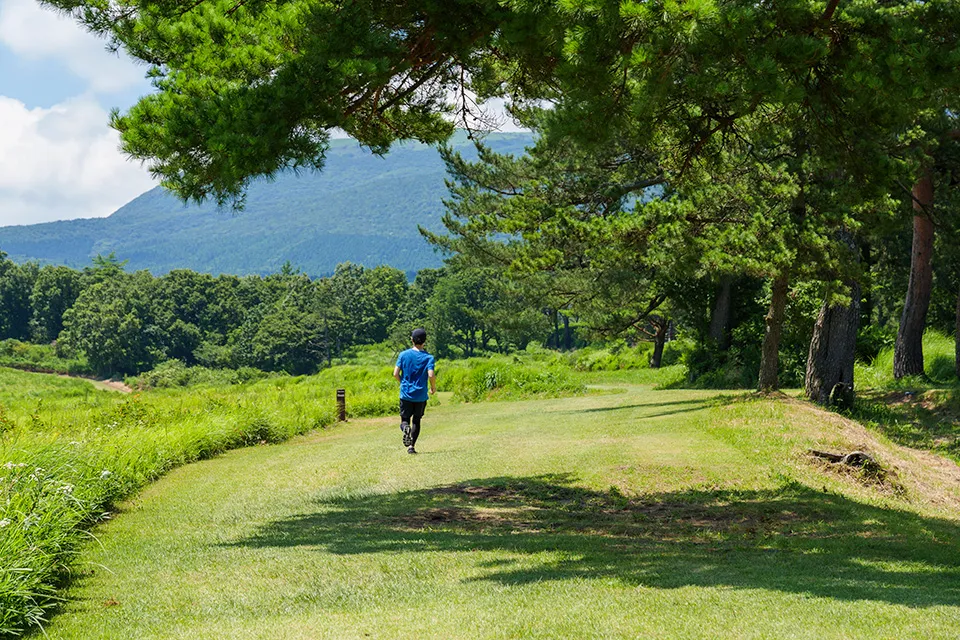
342, 405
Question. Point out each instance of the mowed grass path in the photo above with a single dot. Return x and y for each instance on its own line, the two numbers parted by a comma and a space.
673, 514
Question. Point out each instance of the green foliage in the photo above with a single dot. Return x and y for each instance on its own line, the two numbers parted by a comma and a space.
54, 292
16, 285
38, 357
286, 341
871, 340
619, 356
174, 373
768, 131
112, 324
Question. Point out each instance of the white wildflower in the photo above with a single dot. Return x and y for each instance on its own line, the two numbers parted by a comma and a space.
4, 523
105, 474
66, 489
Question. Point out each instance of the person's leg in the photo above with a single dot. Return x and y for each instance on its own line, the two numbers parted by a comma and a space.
415, 422
405, 415
414, 429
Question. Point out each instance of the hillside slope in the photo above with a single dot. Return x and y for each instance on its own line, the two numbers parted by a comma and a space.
361, 208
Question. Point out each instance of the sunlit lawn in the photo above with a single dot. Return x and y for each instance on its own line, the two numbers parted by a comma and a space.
670, 514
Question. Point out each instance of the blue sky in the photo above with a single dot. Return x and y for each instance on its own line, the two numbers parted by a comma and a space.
58, 157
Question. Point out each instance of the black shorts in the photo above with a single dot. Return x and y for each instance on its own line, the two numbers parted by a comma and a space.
410, 409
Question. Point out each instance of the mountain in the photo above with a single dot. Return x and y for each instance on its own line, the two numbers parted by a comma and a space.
361, 208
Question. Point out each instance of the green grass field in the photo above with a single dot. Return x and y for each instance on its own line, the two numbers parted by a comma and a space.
660, 514
70, 450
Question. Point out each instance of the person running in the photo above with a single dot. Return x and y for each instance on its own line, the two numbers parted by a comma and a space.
414, 368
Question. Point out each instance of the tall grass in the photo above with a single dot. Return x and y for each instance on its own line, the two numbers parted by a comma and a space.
69, 452
504, 378
619, 356
939, 366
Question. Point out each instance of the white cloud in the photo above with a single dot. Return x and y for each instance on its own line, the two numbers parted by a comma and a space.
62, 162
33, 32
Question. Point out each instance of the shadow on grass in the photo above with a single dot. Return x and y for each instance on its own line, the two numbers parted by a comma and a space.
793, 539
922, 420
687, 406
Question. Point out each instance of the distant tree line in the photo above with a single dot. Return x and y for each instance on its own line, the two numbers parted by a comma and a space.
126, 323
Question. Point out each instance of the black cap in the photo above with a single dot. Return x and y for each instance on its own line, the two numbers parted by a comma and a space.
419, 336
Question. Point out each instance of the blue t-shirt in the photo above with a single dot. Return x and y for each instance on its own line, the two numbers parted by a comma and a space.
414, 365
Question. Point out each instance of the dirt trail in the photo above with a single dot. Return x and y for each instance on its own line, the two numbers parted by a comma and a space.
109, 385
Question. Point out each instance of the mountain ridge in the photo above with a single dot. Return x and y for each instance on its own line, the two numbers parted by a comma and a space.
361, 208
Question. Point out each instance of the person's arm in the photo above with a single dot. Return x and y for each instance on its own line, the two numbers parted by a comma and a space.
433, 381
396, 373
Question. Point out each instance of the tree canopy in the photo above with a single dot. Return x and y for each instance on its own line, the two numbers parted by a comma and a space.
247, 87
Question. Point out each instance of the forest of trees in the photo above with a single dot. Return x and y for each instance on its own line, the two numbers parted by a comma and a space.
127, 323
745, 168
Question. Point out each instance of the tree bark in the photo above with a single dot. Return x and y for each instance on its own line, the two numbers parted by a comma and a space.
659, 340
567, 343
769, 359
829, 378
720, 320
556, 330
908, 349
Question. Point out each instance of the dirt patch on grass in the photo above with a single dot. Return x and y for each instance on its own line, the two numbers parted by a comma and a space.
113, 385
431, 516
109, 385
530, 508
920, 476
874, 477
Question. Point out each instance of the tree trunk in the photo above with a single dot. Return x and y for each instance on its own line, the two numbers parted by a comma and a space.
908, 349
659, 340
829, 378
720, 320
769, 365
566, 334
556, 330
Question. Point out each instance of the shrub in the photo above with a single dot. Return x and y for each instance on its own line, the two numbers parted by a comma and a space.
500, 378
40, 357
174, 373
